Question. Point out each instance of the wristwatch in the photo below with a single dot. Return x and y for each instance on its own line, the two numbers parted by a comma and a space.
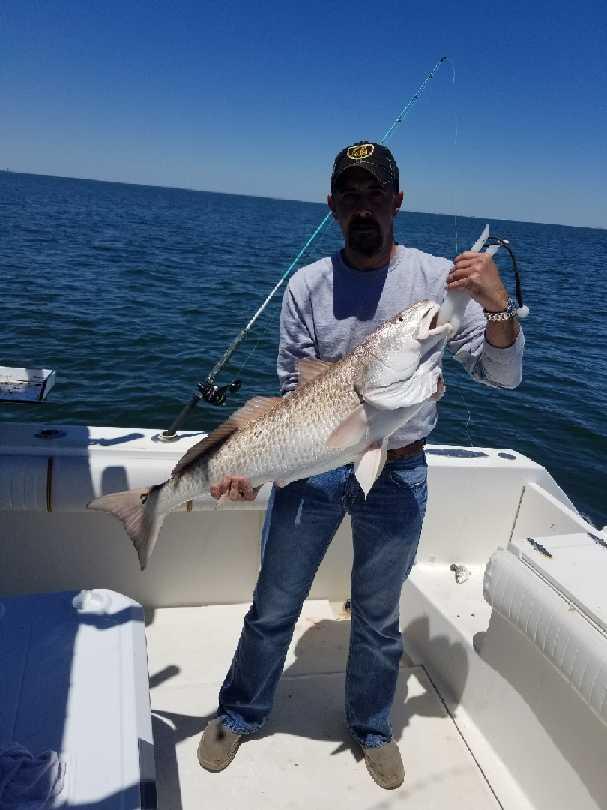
511, 311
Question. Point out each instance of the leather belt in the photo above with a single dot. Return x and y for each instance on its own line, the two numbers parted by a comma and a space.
406, 451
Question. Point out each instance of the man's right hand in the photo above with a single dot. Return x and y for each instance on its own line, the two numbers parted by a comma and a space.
236, 488
440, 390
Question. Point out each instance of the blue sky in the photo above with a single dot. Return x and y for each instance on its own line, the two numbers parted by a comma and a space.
256, 98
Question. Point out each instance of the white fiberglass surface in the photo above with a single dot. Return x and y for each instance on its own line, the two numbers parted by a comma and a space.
304, 758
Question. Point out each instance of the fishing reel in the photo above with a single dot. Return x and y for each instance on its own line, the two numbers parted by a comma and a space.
211, 393
217, 394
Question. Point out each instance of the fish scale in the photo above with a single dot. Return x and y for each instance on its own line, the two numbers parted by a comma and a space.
291, 437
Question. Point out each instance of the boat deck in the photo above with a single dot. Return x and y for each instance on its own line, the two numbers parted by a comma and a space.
304, 758
476, 710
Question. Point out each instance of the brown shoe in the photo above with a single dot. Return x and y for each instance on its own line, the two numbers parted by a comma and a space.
385, 765
218, 746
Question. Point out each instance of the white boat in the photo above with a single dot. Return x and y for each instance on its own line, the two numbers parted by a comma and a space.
502, 697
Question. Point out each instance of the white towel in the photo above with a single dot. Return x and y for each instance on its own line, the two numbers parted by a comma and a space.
29, 782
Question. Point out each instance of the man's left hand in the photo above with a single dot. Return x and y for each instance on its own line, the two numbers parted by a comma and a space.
477, 273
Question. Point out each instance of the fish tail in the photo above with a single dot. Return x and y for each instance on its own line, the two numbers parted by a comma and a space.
137, 509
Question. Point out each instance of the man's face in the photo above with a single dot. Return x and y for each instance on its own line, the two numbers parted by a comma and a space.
365, 211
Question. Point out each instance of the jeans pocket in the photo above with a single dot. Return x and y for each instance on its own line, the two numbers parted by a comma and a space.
409, 473
411, 485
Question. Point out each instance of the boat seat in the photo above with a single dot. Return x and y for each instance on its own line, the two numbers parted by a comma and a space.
74, 681
553, 591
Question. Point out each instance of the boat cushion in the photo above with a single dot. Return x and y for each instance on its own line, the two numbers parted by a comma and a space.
557, 603
74, 681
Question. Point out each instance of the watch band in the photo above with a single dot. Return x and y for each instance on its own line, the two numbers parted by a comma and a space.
504, 314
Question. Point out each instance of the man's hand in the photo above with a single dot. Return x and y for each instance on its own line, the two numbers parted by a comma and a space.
236, 488
440, 390
477, 273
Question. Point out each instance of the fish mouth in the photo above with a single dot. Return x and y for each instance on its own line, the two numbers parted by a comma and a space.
428, 325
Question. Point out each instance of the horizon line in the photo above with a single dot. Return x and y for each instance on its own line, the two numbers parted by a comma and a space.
287, 199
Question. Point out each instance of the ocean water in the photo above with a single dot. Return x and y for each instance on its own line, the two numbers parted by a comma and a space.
132, 293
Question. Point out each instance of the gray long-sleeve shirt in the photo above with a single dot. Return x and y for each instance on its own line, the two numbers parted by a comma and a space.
329, 308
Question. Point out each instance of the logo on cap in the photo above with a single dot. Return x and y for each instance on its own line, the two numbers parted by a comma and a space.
360, 151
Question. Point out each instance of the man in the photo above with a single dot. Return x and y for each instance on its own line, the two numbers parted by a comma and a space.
329, 307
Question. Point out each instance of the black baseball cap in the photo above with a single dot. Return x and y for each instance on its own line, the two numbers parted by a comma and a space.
374, 157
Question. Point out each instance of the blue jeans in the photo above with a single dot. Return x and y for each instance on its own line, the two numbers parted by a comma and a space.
300, 523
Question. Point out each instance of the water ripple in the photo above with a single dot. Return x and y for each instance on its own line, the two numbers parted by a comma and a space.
132, 294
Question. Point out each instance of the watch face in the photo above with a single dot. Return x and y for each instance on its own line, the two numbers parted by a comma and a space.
509, 312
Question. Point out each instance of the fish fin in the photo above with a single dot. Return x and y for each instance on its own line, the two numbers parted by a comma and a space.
309, 368
350, 431
252, 409
369, 466
136, 509
216, 438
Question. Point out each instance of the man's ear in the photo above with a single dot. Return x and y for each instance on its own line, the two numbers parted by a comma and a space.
331, 203
398, 201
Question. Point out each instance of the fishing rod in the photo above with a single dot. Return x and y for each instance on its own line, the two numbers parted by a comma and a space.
216, 394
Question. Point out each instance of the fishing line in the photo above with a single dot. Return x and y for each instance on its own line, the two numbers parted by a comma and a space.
468, 424
209, 390
455, 145
469, 418
245, 362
